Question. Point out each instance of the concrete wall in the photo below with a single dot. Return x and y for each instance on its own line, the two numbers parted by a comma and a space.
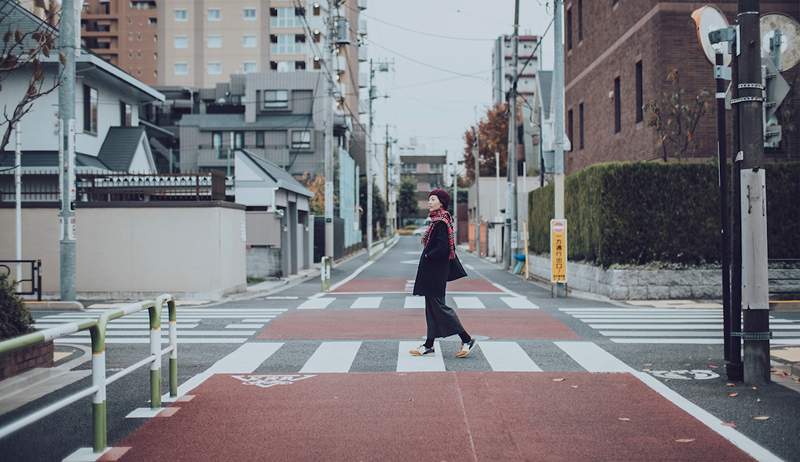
129, 252
264, 262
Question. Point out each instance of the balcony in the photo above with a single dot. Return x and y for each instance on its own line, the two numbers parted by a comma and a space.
207, 156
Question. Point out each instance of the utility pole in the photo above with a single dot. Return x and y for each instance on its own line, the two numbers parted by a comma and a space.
370, 151
755, 286
328, 105
511, 207
18, 194
733, 368
558, 102
69, 45
476, 153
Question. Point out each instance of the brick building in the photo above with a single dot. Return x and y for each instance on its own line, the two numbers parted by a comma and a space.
618, 54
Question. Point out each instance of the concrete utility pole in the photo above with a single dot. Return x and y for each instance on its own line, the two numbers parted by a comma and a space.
18, 194
558, 103
755, 286
476, 152
511, 207
328, 105
68, 44
370, 151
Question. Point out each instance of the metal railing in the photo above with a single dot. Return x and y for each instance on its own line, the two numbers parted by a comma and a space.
35, 279
97, 329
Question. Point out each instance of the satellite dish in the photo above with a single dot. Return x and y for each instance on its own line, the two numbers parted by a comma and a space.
708, 19
790, 38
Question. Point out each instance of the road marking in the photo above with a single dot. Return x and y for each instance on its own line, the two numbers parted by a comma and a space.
469, 267
508, 291
244, 326
414, 301
367, 302
519, 303
357, 271
428, 363
256, 320
638, 310
650, 321
316, 304
593, 358
508, 357
111, 327
692, 341
332, 357
681, 326
469, 303
146, 340
165, 333
617, 333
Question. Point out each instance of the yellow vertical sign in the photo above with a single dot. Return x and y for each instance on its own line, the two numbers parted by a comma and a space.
558, 251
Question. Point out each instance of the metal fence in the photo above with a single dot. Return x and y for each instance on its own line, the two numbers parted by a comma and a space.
35, 279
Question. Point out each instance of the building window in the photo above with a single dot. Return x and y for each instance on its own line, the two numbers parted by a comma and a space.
284, 17
580, 21
276, 99
569, 29
214, 41
125, 114
89, 110
570, 128
581, 138
286, 44
260, 140
181, 41
617, 106
238, 140
639, 92
408, 168
214, 14
249, 67
284, 66
216, 141
299, 65
301, 139
215, 68
249, 14
181, 15
249, 41
181, 68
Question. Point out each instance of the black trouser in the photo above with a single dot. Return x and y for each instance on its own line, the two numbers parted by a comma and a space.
442, 321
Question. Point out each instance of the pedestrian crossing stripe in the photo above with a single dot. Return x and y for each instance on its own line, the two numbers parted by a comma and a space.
332, 357
468, 303
429, 363
315, 304
414, 301
367, 302
519, 303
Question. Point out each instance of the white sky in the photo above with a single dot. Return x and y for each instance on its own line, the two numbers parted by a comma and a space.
435, 105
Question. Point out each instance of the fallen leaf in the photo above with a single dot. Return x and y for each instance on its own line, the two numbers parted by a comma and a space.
574, 386
624, 419
729, 424
730, 384
684, 440
761, 417
560, 379
733, 395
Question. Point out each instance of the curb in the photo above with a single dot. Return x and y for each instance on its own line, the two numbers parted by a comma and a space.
54, 305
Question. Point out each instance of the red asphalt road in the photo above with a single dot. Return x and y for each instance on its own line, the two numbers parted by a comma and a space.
399, 285
429, 417
410, 323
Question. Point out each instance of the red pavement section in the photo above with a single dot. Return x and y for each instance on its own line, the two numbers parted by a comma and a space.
399, 285
410, 323
429, 417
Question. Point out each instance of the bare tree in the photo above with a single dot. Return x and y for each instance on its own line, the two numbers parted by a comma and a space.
23, 54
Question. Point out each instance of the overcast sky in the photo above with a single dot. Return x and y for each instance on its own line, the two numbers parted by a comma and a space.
437, 105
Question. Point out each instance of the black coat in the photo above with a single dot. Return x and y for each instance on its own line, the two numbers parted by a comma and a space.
435, 267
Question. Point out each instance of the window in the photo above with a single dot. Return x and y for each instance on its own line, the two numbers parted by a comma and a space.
286, 44
214, 41
409, 168
216, 141
125, 114
260, 140
214, 68
249, 66
580, 20
181, 68
276, 99
299, 65
249, 41
639, 92
181, 15
301, 139
181, 41
284, 66
238, 140
284, 17
617, 106
249, 14
570, 126
580, 126
569, 29
214, 14
90, 110
299, 38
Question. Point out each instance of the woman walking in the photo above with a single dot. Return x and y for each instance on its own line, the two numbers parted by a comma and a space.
437, 265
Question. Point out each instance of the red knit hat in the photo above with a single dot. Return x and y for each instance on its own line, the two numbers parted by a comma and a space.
443, 197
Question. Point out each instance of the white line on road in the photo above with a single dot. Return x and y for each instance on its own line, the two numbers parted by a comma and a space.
469, 303
145, 340
256, 320
637, 310
680, 326
508, 357
165, 333
244, 326
428, 363
367, 302
145, 327
414, 301
519, 303
332, 357
593, 358
316, 304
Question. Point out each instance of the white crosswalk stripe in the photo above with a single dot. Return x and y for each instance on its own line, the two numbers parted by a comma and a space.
519, 303
469, 303
682, 326
316, 304
367, 303
332, 357
428, 363
414, 302
507, 357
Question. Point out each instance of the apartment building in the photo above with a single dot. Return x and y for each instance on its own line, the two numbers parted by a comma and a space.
426, 171
618, 56
528, 65
124, 33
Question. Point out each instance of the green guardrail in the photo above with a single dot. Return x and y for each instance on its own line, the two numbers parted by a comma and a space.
97, 329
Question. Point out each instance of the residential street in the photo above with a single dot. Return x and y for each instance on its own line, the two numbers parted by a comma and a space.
302, 375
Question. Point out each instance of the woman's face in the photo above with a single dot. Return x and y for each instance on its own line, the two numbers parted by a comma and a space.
433, 203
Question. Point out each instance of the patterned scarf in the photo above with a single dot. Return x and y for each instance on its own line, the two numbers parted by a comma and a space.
442, 215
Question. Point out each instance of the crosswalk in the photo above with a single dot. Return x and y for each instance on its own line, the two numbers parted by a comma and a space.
195, 325
687, 326
417, 302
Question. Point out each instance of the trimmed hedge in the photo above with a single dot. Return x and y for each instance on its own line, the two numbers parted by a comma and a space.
642, 212
15, 319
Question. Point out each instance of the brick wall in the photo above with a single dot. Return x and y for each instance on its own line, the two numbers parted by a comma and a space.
19, 361
662, 36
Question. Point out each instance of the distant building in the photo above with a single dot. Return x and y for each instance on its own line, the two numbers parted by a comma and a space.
529, 62
426, 171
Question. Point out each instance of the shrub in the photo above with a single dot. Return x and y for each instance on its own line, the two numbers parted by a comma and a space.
642, 212
15, 319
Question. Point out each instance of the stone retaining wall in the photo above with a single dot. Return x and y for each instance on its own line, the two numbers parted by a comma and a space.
19, 361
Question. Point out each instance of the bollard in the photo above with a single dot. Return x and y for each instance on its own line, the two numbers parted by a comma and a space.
99, 416
325, 274
173, 355
155, 350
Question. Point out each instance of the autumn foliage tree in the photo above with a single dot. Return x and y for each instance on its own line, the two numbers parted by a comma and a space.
315, 184
492, 140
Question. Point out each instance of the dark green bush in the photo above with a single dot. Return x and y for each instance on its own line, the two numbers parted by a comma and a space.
15, 319
636, 213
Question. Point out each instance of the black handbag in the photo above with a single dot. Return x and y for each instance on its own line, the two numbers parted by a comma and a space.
455, 270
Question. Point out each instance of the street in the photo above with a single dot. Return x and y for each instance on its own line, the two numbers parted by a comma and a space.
301, 375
